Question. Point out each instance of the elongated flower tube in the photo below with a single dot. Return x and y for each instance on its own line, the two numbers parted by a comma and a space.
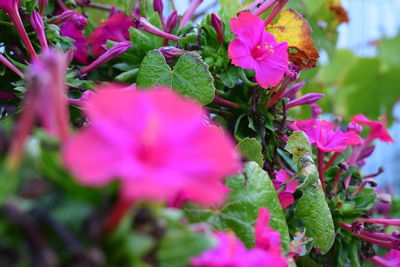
45, 100
42, 6
63, 17
305, 100
263, 7
391, 259
316, 111
38, 26
11, 8
110, 54
391, 240
144, 25
11, 66
255, 4
194, 4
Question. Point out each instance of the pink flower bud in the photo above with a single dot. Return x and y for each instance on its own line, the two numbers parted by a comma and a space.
144, 25
216, 22
315, 111
292, 90
171, 52
45, 100
42, 6
110, 54
354, 127
255, 4
38, 26
171, 22
305, 100
194, 4
63, 17
158, 6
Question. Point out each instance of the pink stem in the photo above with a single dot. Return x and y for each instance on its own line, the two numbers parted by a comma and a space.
117, 214
381, 261
331, 160
225, 102
393, 222
320, 157
194, 4
11, 66
19, 26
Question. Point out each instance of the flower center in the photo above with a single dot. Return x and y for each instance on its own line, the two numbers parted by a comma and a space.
263, 52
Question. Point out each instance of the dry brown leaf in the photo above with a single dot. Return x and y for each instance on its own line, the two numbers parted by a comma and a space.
294, 29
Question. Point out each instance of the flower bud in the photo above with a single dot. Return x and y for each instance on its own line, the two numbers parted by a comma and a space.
216, 23
292, 90
144, 25
63, 17
158, 6
171, 22
38, 26
315, 111
110, 54
354, 127
305, 100
171, 52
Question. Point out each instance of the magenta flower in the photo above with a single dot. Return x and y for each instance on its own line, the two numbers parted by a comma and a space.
286, 196
156, 142
230, 251
116, 29
378, 129
73, 28
266, 237
255, 48
321, 133
391, 259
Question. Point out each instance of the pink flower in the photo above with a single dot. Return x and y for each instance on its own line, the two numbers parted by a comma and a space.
285, 197
255, 48
322, 134
116, 29
156, 142
73, 28
391, 259
378, 129
266, 237
230, 251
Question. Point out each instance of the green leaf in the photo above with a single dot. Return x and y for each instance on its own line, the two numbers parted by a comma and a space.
251, 149
298, 145
190, 75
230, 7
249, 191
230, 77
312, 207
179, 243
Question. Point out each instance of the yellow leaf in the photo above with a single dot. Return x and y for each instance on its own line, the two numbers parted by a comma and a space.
294, 29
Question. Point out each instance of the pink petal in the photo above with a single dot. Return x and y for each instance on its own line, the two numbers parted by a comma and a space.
89, 157
240, 54
249, 28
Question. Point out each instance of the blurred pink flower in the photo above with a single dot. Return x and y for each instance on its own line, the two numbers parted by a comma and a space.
285, 197
73, 28
391, 259
255, 48
266, 237
321, 133
378, 129
116, 29
156, 142
230, 251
